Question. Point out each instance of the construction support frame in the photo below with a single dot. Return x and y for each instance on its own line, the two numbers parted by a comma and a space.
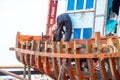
11, 74
16, 74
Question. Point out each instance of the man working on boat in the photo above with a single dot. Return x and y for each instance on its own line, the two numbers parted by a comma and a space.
58, 31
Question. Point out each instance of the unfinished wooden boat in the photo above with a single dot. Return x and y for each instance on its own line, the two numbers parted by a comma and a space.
46, 56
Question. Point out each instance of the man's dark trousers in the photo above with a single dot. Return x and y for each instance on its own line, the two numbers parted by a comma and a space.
64, 20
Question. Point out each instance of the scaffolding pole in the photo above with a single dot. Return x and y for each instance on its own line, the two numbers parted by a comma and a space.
29, 73
24, 73
11, 67
11, 74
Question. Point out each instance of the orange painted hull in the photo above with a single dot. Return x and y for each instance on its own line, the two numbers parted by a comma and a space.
49, 59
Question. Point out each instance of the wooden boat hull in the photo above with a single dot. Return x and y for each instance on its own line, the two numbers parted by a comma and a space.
47, 56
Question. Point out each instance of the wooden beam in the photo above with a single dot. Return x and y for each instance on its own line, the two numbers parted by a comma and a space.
10, 67
12, 74
63, 55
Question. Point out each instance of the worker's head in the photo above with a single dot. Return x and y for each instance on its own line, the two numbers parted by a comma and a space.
54, 28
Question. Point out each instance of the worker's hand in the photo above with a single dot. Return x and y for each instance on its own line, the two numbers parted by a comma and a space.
54, 28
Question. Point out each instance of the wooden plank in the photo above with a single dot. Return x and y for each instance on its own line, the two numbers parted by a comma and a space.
27, 61
118, 50
18, 46
27, 56
92, 70
103, 72
104, 69
12, 74
114, 72
77, 61
63, 55
54, 60
37, 59
29, 72
11, 67
24, 72
45, 60
68, 51
47, 64
60, 51
22, 55
113, 69
39, 64
38, 38
33, 48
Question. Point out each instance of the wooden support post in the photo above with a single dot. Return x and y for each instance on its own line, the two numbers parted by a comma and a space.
77, 63
17, 38
54, 61
101, 61
46, 63
118, 50
22, 55
27, 60
59, 50
62, 70
70, 72
119, 66
92, 70
61, 62
65, 67
38, 58
31, 57
18, 46
112, 60
24, 72
22, 60
29, 73
25, 57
